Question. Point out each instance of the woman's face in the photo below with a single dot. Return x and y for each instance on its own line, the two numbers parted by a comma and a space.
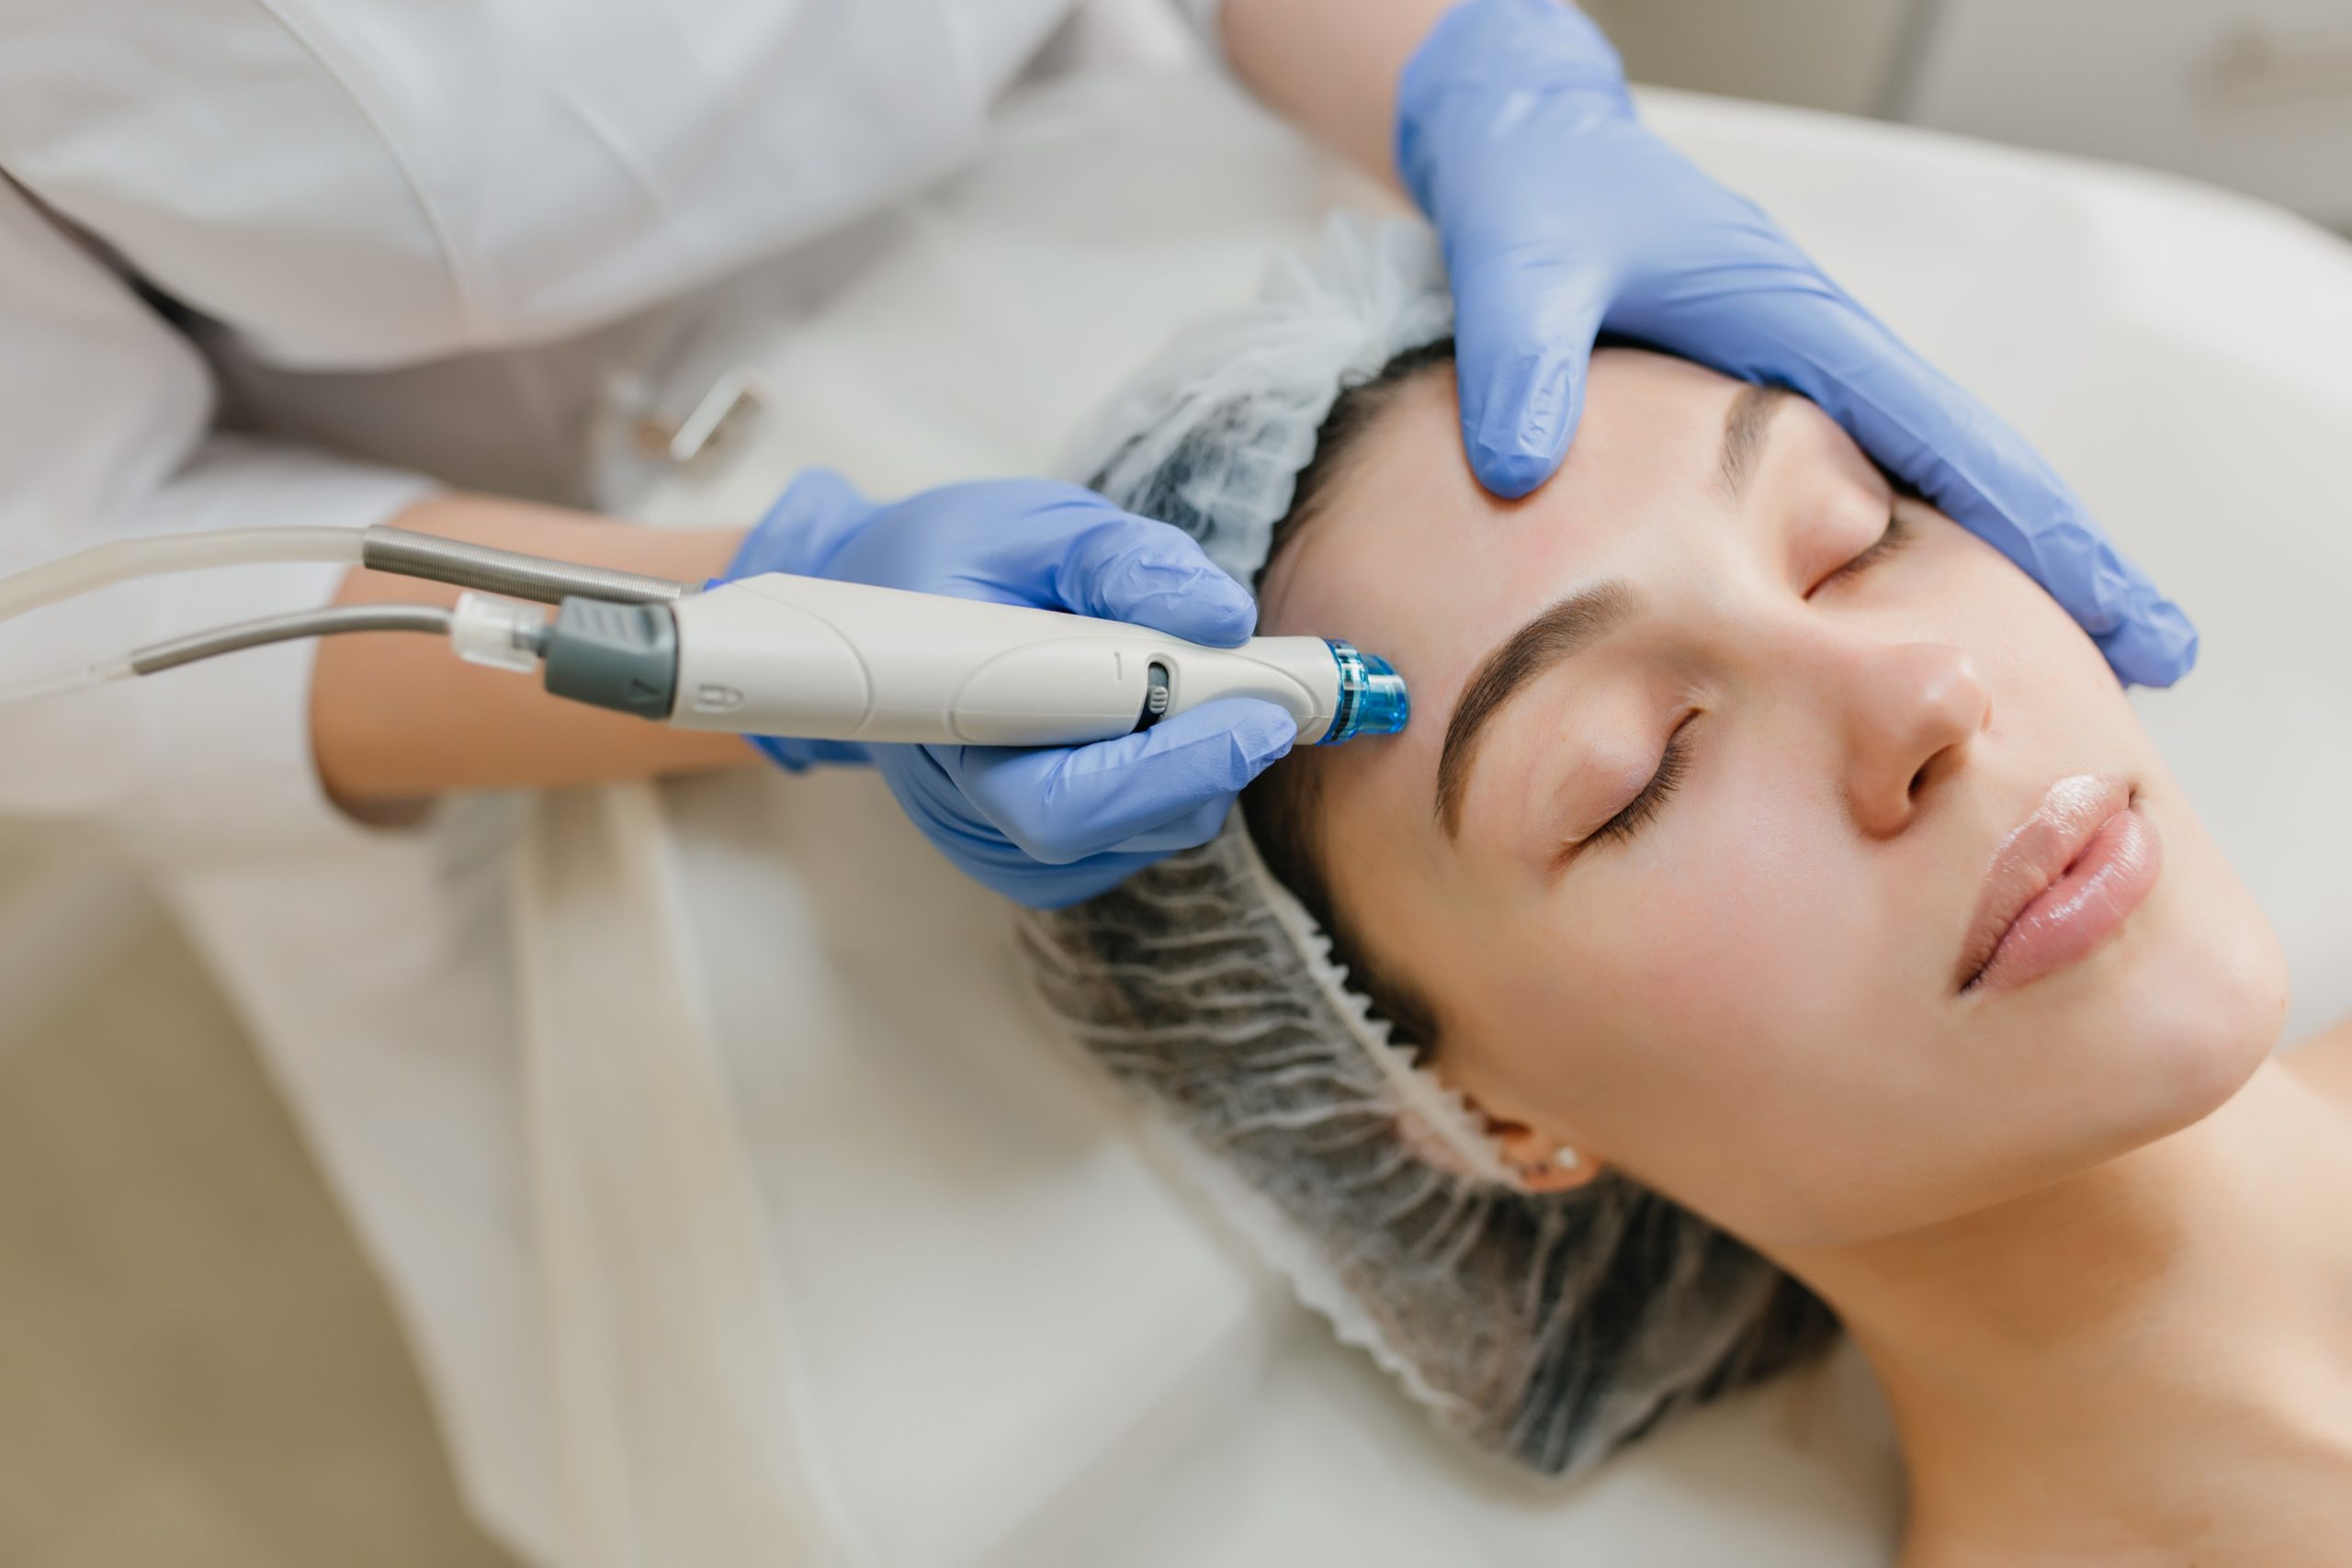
1757, 990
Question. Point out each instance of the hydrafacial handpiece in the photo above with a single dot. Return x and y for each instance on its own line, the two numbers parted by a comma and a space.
797, 656
816, 659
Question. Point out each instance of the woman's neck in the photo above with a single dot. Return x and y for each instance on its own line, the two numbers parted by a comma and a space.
2149, 1363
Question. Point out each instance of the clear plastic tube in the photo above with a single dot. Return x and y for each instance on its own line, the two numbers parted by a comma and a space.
502, 635
127, 559
158, 657
80, 681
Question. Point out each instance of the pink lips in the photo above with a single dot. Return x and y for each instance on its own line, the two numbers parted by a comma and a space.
2061, 886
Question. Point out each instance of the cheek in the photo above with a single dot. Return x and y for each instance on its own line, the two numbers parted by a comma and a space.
2193, 993
1707, 1019
1711, 958
2036, 661
1754, 959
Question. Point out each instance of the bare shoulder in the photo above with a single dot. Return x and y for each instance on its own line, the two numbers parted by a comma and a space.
2325, 1062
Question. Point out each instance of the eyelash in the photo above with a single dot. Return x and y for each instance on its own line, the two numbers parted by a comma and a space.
1672, 766
1675, 762
1899, 533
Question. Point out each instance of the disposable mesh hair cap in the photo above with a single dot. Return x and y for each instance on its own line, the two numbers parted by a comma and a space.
1550, 1327
1212, 436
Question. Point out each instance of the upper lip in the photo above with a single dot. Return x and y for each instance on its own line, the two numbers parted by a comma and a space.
2034, 856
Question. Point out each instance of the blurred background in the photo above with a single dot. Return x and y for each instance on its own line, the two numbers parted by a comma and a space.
197, 1368
2255, 94
196, 1365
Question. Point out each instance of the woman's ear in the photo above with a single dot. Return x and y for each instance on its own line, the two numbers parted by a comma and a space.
1543, 1163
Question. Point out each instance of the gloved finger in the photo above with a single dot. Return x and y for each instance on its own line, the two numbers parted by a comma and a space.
793, 756
1064, 804
1927, 431
1061, 887
2157, 644
1524, 327
1126, 568
1183, 831
816, 513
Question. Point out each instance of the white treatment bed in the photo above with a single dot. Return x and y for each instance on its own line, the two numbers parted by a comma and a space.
847, 1260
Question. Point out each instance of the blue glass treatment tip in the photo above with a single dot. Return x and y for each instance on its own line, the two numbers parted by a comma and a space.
1372, 696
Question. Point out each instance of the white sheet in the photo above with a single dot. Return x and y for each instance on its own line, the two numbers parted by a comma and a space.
982, 1327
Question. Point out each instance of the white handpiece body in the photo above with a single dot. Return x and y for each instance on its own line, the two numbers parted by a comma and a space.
818, 659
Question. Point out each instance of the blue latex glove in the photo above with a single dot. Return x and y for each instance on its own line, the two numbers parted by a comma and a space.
1045, 826
1562, 216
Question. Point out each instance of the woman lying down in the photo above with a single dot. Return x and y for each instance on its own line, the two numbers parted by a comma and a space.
1774, 920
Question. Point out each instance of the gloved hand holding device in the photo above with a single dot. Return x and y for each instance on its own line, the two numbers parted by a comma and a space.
1053, 826
1563, 217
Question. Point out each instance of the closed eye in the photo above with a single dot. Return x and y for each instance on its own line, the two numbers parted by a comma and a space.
1900, 531
1644, 807
1674, 764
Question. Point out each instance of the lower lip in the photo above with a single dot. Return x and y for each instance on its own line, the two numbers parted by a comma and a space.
2079, 913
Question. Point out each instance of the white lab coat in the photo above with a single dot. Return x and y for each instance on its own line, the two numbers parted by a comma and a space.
268, 262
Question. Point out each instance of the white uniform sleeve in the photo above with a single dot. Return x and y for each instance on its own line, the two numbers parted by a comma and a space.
107, 435
1207, 17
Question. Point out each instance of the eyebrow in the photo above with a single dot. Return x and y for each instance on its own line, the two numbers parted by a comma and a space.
1747, 425
1576, 623
1559, 632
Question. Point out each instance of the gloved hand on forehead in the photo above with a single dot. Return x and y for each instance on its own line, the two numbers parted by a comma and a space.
1053, 826
1562, 216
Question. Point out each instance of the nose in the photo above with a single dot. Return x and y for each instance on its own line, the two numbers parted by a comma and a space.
1911, 712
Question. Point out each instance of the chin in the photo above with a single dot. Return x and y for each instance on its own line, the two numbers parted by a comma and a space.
2204, 1006
2164, 1025
2217, 1030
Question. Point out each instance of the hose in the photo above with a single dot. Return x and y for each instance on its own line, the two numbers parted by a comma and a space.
124, 560
171, 655
382, 549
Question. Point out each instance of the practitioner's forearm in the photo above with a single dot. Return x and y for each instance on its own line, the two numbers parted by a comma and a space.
1330, 66
397, 718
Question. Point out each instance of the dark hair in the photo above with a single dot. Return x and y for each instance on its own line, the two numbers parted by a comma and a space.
1283, 805
1282, 809
1565, 1325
